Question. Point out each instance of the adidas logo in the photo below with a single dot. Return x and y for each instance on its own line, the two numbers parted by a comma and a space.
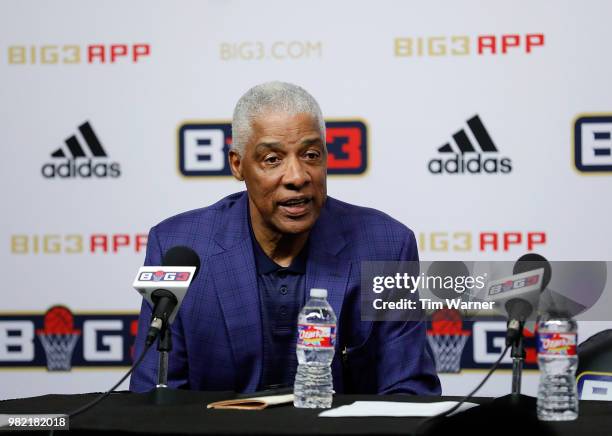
468, 158
75, 161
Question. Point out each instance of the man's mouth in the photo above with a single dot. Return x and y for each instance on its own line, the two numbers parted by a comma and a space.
295, 206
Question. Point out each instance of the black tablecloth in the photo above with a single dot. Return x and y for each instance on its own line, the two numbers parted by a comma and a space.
128, 412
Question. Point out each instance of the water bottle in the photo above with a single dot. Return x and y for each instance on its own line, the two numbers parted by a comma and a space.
557, 359
315, 350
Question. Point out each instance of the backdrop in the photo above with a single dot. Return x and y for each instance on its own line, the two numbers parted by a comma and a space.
483, 126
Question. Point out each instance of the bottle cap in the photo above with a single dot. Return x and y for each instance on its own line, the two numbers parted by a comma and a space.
318, 293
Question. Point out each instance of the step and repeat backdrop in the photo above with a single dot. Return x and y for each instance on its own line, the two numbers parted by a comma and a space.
483, 126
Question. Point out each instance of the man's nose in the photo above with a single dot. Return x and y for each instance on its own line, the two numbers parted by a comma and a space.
295, 176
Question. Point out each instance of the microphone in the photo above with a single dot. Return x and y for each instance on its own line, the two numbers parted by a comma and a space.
517, 296
519, 309
448, 270
164, 287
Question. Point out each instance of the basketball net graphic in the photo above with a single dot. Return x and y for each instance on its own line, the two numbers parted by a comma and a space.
447, 339
58, 338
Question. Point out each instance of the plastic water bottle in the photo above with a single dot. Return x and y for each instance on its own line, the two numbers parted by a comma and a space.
557, 359
315, 350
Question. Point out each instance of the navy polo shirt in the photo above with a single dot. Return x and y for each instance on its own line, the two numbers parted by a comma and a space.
282, 296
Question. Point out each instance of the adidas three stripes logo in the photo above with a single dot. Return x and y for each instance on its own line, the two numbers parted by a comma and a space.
75, 148
82, 161
463, 141
466, 157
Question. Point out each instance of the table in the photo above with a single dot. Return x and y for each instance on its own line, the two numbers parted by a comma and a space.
125, 412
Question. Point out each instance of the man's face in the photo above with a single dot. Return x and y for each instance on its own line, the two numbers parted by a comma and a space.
284, 166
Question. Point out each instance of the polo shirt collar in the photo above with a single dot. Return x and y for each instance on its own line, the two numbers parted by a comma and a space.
265, 265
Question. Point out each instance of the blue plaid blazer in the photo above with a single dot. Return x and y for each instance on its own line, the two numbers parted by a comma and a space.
217, 335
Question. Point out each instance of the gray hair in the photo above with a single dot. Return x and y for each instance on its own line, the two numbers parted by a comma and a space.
271, 97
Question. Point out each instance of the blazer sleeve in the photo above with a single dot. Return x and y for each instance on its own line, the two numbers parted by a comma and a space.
404, 362
144, 377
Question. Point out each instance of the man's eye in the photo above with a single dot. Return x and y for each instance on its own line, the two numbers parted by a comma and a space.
312, 155
271, 159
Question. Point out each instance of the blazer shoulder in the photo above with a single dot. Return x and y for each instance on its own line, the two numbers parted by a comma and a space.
360, 217
203, 220
372, 234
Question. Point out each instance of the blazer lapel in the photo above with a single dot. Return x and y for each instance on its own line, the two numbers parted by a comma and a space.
325, 268
328, 272
235, 281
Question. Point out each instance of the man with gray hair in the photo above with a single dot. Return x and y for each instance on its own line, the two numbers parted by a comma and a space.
261, 251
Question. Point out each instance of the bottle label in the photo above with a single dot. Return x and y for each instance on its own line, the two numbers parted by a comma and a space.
317, 335
563, 344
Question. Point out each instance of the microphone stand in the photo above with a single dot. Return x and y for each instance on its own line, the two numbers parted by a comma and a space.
164, 346
515, 399
162, 395
517, 354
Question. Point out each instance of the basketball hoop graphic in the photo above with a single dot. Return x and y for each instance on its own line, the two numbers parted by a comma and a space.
447, 339
58, 338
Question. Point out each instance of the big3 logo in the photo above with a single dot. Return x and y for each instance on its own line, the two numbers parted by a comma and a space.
203, 148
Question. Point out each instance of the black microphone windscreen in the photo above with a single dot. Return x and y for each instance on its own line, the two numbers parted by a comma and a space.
182, 256
448, 268
533, 261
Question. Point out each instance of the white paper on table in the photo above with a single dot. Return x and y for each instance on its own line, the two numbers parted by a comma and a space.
393, 408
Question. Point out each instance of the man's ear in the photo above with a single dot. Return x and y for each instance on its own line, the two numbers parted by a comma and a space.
235, 161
